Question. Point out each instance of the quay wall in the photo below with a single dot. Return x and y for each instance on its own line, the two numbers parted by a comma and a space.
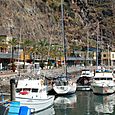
54, 72
7, 75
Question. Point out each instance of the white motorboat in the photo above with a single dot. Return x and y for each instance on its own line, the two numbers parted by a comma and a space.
33, 93
103, 82
85, 79
64, 86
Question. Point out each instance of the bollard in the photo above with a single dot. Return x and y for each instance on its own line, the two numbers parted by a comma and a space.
12, 89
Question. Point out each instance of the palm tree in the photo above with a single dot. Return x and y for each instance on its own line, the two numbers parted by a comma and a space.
42, 50
56, 52
26, 45
13, 42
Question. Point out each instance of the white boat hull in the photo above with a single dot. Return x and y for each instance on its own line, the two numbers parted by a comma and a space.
36, 105
103, 89
65, 89
103, 82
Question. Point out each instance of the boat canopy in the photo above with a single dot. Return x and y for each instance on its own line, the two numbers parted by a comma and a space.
29, 83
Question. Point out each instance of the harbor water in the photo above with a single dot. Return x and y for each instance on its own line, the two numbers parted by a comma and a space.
82, 103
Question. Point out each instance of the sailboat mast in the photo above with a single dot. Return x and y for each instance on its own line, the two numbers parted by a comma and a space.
63, 35
97, 49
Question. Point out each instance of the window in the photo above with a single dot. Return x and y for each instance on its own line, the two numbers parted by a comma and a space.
109, 78
34, 90
104, 55
96, 78
18, 90
112, 55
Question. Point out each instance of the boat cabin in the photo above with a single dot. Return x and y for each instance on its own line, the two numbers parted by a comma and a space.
103, 75
30, 87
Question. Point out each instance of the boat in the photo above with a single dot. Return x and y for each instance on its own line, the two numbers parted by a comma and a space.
103, 82
33, 94
66, 86
85, 79
14, 108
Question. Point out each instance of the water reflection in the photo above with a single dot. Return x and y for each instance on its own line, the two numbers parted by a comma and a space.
49, 111
81, 103
65, 105
66, 101
104, 104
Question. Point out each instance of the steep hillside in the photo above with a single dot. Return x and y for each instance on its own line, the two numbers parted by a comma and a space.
38, 19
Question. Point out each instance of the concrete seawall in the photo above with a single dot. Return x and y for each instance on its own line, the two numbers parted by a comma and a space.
54, 72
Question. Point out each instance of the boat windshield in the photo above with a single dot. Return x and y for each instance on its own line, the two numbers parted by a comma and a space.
22, 89
18, 90
34, 90
26, 89
85, 73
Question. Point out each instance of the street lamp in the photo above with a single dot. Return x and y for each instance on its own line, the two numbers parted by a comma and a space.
97, 50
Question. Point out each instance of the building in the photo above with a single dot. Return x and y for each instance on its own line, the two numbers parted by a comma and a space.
6, 54
108, 58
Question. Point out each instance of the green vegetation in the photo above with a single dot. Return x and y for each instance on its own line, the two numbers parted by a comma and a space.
38, 23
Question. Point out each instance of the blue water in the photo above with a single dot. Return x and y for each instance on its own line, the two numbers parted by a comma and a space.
82, 103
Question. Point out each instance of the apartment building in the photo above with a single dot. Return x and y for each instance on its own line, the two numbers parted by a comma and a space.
108, 58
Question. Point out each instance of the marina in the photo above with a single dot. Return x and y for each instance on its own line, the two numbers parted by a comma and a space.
57, 57
82, 102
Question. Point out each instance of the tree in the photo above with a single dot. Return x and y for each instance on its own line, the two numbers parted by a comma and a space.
26, 45
42, 50
56, 52
13, 42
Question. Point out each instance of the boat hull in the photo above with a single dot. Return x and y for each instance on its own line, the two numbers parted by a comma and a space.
83, 88
103, 89
84, 83
36, 105
65, 89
